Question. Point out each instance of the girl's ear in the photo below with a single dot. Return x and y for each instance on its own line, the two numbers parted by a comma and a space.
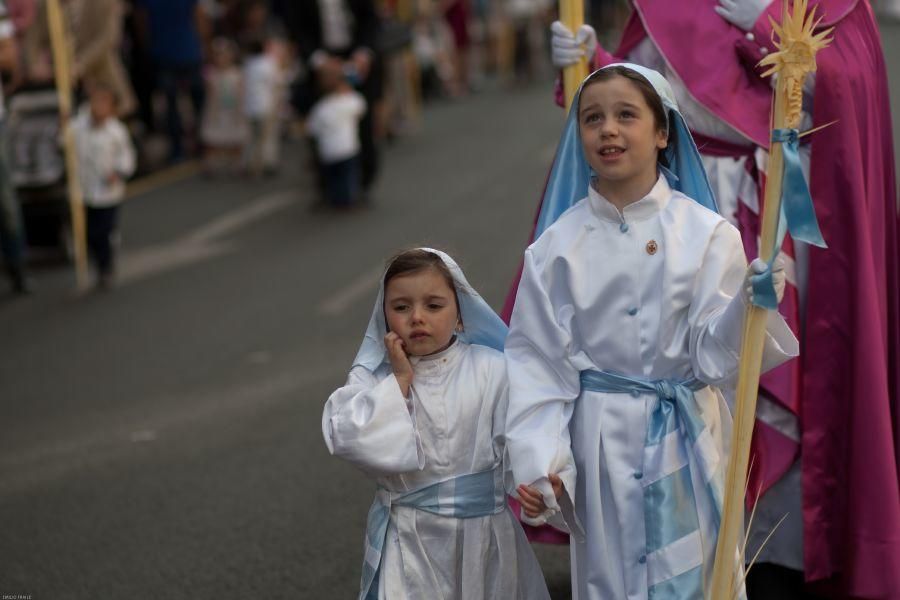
662, 139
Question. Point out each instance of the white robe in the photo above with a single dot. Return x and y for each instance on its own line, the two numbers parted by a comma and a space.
732, 183
451, 425
593, 296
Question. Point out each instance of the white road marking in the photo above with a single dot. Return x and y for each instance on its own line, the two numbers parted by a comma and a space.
200, 244
49, 461
144, 435
153, 260
337, 303
237, 219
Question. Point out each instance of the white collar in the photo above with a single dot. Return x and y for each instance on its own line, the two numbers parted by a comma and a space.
446, 355
644, 208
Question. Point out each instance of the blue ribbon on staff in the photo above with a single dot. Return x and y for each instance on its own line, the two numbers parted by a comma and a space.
797, 214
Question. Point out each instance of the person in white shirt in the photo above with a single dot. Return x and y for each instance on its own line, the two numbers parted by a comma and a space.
333, 122
263, 86
106, 158
423, 414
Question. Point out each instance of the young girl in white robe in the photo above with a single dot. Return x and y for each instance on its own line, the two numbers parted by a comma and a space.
626, 329
423, 413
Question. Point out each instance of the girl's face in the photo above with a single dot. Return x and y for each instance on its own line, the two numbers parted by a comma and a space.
421, 308
620, 136
103, 105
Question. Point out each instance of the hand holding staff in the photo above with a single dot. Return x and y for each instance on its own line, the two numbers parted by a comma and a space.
795, 59
571, 13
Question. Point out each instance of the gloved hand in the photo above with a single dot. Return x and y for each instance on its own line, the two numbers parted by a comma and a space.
759, 266
742, 13
567, 48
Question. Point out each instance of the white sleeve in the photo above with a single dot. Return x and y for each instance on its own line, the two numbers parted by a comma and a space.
312, 123
125, 158
543, 385
372, 425
360, 105
717, 310
7, 28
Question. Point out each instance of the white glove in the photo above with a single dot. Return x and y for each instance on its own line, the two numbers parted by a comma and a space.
566, 48
742, 13
759, 266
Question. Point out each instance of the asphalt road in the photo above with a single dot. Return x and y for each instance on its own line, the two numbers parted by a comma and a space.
163, 440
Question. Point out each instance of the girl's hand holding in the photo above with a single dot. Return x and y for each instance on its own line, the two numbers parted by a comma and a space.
532, 500
400, 364
758, 267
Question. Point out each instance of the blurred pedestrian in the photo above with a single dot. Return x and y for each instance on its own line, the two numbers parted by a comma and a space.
346, 30
456, 13
22, 13
223, 129
524, 15
175, 31
333, 122
12, 230
106, 158
432, 44
95, 27
263, 85
97, 31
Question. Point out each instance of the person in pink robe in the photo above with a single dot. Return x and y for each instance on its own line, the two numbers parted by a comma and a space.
844, 391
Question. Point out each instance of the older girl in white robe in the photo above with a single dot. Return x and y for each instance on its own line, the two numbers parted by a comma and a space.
423, 412
626, 329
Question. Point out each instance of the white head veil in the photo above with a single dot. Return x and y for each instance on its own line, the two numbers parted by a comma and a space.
482, 326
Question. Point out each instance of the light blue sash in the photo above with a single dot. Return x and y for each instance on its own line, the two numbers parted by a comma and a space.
462, 497
678, 440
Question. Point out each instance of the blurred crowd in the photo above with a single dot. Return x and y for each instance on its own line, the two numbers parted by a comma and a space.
225, 82
228, 75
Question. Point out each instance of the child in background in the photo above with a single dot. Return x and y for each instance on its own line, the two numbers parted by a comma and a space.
106, 158
625, 334
263, 86
423, 413
223, 128
334, 123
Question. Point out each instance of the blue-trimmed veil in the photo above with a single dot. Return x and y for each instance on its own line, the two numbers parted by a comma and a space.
481, 324
571, 173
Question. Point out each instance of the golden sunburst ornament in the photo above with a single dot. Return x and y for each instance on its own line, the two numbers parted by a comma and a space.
796, 57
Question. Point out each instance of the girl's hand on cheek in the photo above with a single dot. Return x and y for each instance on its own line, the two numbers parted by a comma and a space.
400, 364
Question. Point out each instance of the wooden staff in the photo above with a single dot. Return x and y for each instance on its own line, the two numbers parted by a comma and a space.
797, 46
61, 49
571, 14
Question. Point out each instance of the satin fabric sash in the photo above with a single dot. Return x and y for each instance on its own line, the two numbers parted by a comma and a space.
797, 215
462, 497
677, 442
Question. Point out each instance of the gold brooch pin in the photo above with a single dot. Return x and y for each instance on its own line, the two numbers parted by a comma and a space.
652, 247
